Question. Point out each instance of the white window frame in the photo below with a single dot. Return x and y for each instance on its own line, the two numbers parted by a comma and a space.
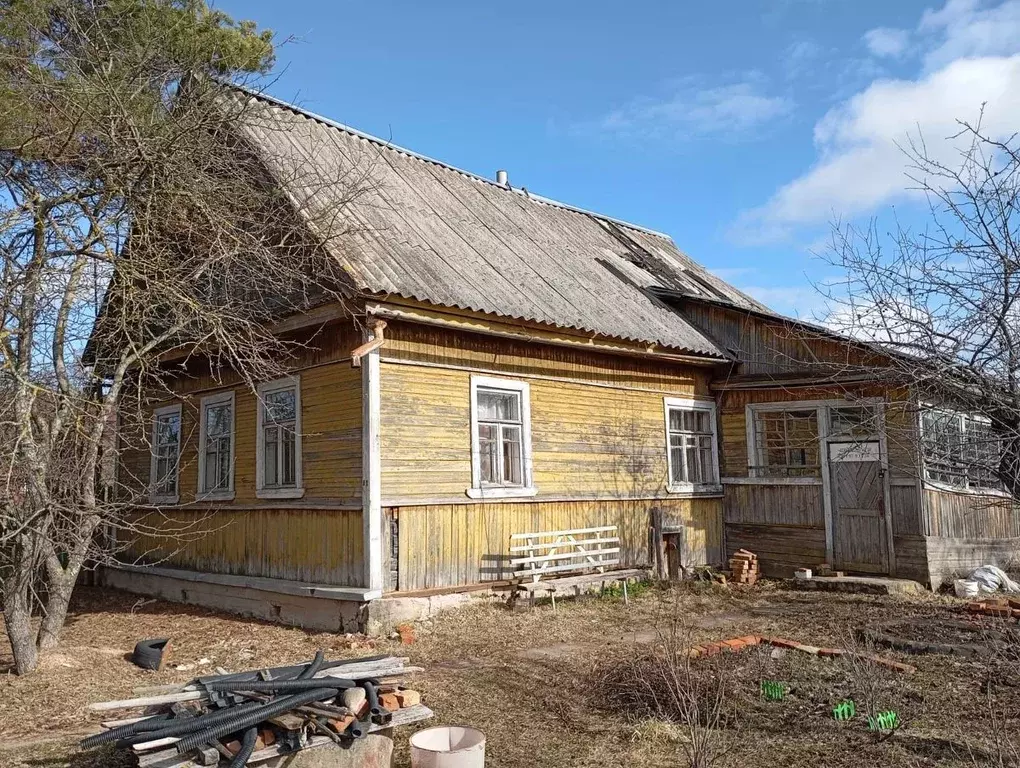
166, 498
527, 488
298, 490
221, 494
692, 404
976, 490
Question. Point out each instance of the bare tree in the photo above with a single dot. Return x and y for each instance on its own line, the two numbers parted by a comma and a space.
943, 302
141, 238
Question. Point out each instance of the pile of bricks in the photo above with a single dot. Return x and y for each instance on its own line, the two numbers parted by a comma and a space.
748, 641
744, 567
999, 606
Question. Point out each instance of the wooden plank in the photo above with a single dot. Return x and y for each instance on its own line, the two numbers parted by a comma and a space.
551, 544
576, 555
147, 701
568, 567
571, 532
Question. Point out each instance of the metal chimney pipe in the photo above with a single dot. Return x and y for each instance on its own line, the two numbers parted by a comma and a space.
502, 179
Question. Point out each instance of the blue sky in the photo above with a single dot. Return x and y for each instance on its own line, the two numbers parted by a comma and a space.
739, 128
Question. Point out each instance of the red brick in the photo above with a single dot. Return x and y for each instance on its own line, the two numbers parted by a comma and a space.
389, 702
709, 649
750, 639
408, 698
406, 632
736, 644
780, 642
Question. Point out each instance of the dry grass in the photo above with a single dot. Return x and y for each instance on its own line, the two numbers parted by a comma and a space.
526, 679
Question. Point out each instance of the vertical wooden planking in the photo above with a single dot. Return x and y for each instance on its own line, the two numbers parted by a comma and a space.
310, 545
447, 545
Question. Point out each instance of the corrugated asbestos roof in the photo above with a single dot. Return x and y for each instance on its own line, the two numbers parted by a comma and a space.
423, 230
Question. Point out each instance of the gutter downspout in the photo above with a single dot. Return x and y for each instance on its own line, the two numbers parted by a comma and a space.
371, 463
375, 341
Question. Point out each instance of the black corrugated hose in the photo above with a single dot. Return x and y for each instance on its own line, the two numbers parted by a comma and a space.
247, 747
185, 725
149, 724
285, 686
314, 667
254, 717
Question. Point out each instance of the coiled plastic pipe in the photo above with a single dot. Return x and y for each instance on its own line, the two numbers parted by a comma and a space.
254, 717
186, 725
149, 724
247, 747
285, 686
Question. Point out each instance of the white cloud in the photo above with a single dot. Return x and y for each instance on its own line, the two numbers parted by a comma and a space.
692, 109
885, 41
965, 29
804, 302
859, 165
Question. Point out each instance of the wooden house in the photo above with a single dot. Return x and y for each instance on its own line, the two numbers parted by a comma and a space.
508, 364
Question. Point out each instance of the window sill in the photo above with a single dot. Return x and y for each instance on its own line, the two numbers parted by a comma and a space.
280, 493
158, 500
935, 485
501, 493
689, 489
215, 496
772, 480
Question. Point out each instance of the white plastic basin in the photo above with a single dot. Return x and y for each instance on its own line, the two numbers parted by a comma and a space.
451, 746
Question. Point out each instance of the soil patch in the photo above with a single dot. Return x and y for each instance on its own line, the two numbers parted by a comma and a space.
964, 638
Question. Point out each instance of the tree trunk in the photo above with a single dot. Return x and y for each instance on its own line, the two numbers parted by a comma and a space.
59, 584
18, 618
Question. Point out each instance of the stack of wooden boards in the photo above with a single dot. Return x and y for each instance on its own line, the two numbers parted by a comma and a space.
251, 717
744, 567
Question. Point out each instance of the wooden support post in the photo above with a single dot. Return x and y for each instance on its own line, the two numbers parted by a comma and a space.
625, 600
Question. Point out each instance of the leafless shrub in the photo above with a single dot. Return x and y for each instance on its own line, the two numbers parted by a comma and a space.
869, 682
666, 683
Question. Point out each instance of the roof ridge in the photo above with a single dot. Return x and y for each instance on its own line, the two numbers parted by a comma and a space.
520, 191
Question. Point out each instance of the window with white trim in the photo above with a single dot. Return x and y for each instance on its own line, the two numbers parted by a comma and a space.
216, 446
691, 441
166, 451
960, 450
278, 443
501, 438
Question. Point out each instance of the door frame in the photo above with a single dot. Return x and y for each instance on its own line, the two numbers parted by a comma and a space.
820, 407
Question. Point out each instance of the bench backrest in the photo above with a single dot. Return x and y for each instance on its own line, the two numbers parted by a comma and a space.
547, 553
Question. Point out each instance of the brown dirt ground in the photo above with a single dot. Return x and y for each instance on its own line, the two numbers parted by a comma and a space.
529, 679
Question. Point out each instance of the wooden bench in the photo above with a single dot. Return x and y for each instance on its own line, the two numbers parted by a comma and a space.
555, 561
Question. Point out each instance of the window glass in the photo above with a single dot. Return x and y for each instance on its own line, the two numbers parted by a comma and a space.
166, 450
960, 450
854, 421
787, 444
217, 459
500, 437
279, 433
690, 445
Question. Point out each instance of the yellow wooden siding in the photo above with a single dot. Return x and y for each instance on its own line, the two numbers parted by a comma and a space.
455, 544
586, 441
331, 439
597, 426
310, 545
439, 346
317, 538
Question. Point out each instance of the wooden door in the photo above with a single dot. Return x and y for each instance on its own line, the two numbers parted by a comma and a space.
857, 481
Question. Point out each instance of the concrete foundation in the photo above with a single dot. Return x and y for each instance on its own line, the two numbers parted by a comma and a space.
299, 605
312, 606
869, 585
